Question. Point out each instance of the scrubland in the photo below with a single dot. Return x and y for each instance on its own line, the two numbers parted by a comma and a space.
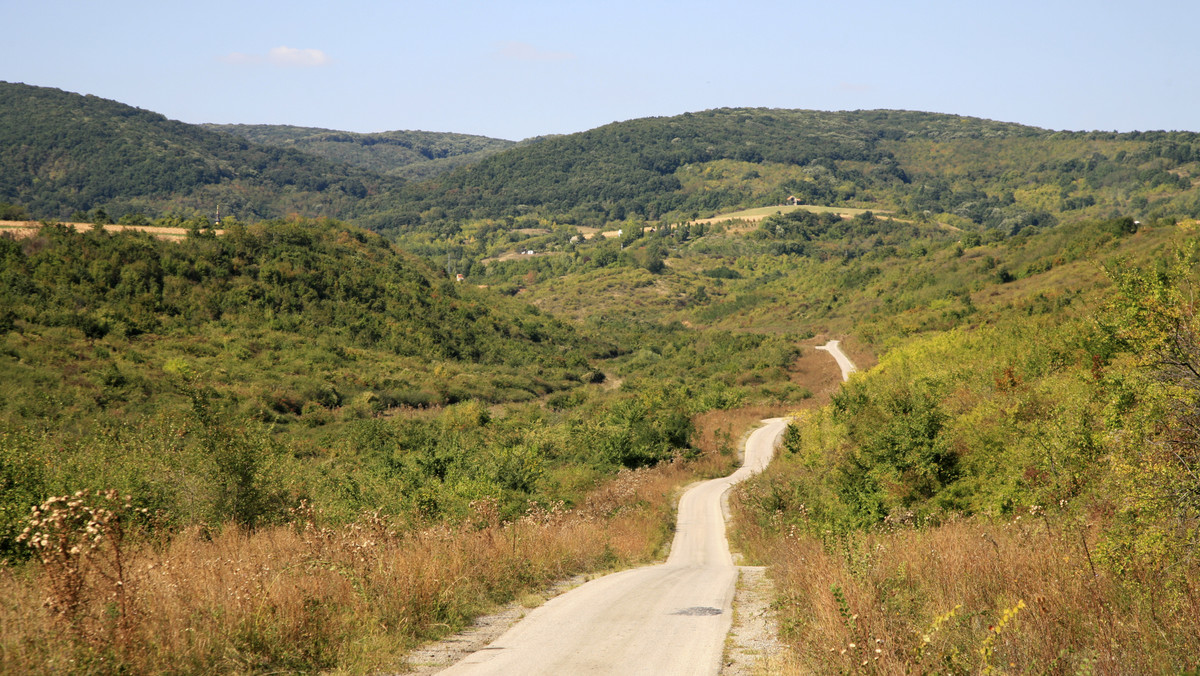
331, 452
1017, 495
305, 596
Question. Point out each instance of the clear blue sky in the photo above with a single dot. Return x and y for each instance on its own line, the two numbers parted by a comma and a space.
522, 68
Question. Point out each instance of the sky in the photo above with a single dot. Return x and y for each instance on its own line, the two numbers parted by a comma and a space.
524, 68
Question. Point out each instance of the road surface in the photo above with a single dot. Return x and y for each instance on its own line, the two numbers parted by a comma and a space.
843, 361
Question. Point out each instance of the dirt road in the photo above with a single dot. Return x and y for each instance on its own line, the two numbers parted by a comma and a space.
666, 619
843, 361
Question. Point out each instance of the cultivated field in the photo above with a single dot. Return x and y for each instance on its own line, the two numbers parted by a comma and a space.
759, 213
28, 228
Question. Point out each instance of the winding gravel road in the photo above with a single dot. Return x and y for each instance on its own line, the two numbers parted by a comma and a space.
666, 619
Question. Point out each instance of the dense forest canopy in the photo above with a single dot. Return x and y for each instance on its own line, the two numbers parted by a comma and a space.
408, 154
86, 153
62, 152
678, 167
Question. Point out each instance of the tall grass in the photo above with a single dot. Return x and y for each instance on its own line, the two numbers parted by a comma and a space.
309, 597
972, 596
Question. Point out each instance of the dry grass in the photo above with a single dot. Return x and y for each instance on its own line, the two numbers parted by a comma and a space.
971, 596
719, 431
22, 229
756, 214
311, 598
862, 355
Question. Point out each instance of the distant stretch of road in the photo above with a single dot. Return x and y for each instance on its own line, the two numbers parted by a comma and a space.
843, 362
667, 619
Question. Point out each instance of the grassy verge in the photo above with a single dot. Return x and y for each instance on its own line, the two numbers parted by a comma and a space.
1016, 497
973, 596
311, 597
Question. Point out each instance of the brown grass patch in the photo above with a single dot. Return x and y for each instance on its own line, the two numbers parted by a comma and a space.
718, 432
818, 372
21, 229
972, 596
307, 597
860, 353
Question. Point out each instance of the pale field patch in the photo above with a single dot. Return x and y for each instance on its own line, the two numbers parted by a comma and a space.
22, 229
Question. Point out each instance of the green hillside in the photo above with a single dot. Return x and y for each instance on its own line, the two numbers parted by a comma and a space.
304, 326
1022, 454
332, 407
407, 154
1011, 479
964, 171
62, 152
1025, 446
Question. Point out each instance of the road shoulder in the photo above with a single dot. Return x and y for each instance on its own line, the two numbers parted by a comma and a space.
442, 654
753, 646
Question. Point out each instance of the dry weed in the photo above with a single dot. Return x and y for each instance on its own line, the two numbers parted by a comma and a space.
971, 596
306, 596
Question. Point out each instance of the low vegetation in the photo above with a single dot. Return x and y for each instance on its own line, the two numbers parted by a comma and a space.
307, 596
983, 501
300, 446
251, 452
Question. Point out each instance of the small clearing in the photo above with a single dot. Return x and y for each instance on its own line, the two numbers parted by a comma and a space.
22, 229
517, 255
759, 213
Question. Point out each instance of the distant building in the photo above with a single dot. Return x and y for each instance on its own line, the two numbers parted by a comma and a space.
792, 200
459, 277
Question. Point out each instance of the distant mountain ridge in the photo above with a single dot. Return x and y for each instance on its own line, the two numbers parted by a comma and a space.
981, 172
407, 154
61, 152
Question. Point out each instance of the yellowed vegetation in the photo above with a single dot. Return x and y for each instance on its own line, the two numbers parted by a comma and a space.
759, 213
28, 228
310, 597
997, 598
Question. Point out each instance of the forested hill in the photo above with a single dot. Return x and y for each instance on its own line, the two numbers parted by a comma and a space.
62, 152
632, 168
408, 154
976, 171
317, 301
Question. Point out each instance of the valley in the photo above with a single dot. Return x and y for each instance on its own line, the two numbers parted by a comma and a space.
361, 414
